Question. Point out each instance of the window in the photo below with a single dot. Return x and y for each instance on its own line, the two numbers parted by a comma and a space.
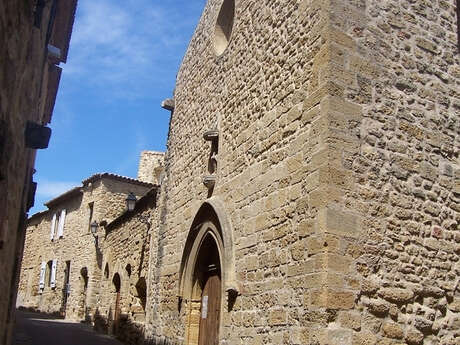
67, 277
106, 271
224, 26
57, 225
60, 229
41, 284
49, 267
91, 211
53, 227
53, 274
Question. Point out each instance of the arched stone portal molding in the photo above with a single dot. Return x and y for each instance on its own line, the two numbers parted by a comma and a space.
211, 219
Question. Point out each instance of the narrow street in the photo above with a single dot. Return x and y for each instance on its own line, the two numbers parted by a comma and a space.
38, 329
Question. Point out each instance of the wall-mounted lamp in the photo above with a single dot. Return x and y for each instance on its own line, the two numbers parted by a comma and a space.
131, 204
94, 227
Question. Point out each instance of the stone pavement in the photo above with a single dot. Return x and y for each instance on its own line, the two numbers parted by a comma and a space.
39, 329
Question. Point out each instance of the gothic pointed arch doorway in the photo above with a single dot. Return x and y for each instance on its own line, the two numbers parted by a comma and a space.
207, 273
205, 302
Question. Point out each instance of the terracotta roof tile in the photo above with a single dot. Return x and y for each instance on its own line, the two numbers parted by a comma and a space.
99, 176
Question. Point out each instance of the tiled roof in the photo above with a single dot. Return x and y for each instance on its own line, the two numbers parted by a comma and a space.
37, 215
65, 196
78, 190
116, 177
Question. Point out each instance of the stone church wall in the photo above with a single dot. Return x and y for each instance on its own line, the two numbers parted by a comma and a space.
263, 95
401, 60
338, 168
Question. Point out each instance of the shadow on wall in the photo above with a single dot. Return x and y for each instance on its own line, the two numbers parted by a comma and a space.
44, 315
101, 323
128, 332
99, 257
132, 333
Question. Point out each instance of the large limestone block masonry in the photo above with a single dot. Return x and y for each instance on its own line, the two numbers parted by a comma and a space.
337, 167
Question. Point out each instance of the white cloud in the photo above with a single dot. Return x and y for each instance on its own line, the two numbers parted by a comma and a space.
52, 189
121, 47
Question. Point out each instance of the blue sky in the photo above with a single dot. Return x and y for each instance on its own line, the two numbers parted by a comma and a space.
123, 61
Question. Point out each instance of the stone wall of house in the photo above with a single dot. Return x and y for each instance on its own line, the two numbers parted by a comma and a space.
126, 252
338, 167
77, 246
151, 167
27, 93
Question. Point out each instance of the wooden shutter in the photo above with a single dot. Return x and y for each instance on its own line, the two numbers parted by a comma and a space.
61, 224
53, 225
41, 284
53, 274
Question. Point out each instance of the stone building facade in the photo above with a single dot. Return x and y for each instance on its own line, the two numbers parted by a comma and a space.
62, 264
311, 191
126, 258
311, 184
34, 40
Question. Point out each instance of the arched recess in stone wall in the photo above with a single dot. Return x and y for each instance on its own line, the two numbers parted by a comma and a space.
212, 210
106, 271
83, 291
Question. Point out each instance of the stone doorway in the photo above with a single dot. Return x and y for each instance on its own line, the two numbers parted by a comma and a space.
65, 289
117, 286
205, 304
83, 292
210, 298
207, 274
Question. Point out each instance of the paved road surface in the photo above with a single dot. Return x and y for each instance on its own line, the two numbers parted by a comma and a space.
37, 329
